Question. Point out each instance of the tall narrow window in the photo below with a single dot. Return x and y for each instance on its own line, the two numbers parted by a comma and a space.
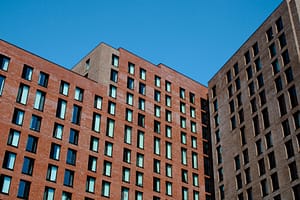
2, 80
24, 189
129, 99
76, 114
107, 168
55, 151
98, 102
69, 178
156, 146
27, 72
114, 75
51, 173
90, 184
140, 139
4, 62
28, 166
157, 81
35, 123
58, 131
18, 117
71, 157
127, 134
293, 96
78, 94
64, 88
13, 138
61, 109
32, 143
183, 156
39, 100
168, 86
92, 164
110, 127
94, 144
43, 79
5, 184
142, 74
96, 122
111, 108
23, 94
131, 68
115, 60
112, 91
9, 160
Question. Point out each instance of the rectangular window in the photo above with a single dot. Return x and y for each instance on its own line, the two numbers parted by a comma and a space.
293, 171
264, 187
66, 195
182, 122
23, 94
96, 122
168, 131
141, 120
39, 100
185, 193
129, 99
115, 60
127, 134
293, 96
64, 88
71, 157
24, 189
156, 96
31, 144
157, 81
219, 155
266, 120
182, 107
127, 155
182, 93
126, 174
5, 182
259, 148
78, 94
246, 156
113, 91
107, 168
141, 104
13, 138
156, 184
142, 88
27, 72
142, 74
285, 57
168, 150
18, 117
272, 160
94, 144
156, 111
58, 131
238, 180
124, 193
247, 57
261, 167
269, 33
55, 151
168, 188
129, 114
183, 156
9, 160
168, 101
69, 178
73, 138
183, 137
296, 117
4, 62
169, 170
140, 160
156, 166
275, 181
28, 166
269, 140
110, 127
108, 150
237, 162
168, 86
193, 127
289, 75
140, 140
76, 114
289, 149
131, 68
192, 112
98, 102
130, 83
195, 160
168, 116
90, 184
113, 75
92, 163
139, 179
156, 146
192, 97
35, 123
43, 79
61, 109
286, 127
2, 80
279, 24
111, 108
194, 142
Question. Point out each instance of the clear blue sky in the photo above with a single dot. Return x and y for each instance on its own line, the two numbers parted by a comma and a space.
195, 37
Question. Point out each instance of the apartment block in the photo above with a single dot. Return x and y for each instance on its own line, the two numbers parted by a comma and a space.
255, 113
113, 127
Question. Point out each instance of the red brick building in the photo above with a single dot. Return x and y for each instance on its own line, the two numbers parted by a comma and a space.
114, 127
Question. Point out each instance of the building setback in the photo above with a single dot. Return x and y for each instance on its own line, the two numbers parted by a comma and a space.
115, 126
255, 113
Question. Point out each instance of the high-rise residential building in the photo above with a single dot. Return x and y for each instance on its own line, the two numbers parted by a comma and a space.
255, 113
113, 127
